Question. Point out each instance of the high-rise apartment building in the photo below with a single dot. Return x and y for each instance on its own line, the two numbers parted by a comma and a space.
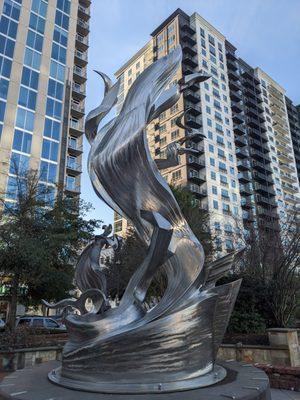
43, 60
244, 169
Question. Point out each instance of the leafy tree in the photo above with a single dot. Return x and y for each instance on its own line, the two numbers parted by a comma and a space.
40, 238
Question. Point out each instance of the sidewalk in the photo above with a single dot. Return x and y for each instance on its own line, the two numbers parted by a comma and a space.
278, 394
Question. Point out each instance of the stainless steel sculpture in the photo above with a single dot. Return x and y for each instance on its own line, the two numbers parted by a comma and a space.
172, 346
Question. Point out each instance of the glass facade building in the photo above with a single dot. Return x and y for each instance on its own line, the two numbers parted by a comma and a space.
43, 60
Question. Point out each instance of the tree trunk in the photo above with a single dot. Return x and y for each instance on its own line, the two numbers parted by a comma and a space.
11, 320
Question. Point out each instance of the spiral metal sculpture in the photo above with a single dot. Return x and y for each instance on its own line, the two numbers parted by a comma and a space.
172, 346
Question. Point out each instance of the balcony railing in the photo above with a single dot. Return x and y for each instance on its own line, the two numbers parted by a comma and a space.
74, 146
74, 166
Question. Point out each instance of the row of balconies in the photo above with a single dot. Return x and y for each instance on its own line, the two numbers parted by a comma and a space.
261, 166
265, 200
263, 178
266, 212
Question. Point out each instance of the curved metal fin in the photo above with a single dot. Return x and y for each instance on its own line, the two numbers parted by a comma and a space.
191, 79
94, 117
108, 83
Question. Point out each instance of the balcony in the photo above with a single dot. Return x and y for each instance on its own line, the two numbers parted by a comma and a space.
235, 85
73, 168
233, 75
288, 177
86, 3
291, 199
187, 49
265, 201
263, 189
246, 190
79, 74
74, 148
193, 122
259, 155
289, 187
83, 27
231, 64
188, 38
81, 58
286, 167
196, 146
265, 212
197, 191
84, 12
240, 141
261, 167
190, 61
263, 178
237, 106
257, 144
238, 119
248, 216
195, 161
231, 56
76, 129
254, 123
191, 96
197, 176
82, 42
241, 152
247, 203
244, 177
258, 135
78, 91
73, 190
193, 110
240, 129
243, 165
286, 158
77, 110
188, 29
236, 95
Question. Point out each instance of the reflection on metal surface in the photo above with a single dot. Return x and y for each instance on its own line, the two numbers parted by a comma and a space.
173, 345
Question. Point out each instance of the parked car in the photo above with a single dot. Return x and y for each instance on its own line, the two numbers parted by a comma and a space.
40, 323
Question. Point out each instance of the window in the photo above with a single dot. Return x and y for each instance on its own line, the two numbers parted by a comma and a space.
40, 7
210, 135
211, 40
231, 170
35, 41
22, 141
211, 148
37, 23
48, 172
202, 33
162, 128
55, 89
32, 58
173, 122
209, 122
220, 129
174, 134
230, 155
203, 52
62, 20
224, 193
203, 44
71, 182
214, 189
220, 140
212, 161
176, 175
174, 108
5, 67
50, 150
221, 153
7, 46
59, 53
137, 65
30, 78
50, 323
64, 5
52, 129
11, 9
233, 183
217, 226
222, 166
8, 27
60, 36
25, 119
27, 98
223, 179
19, 163
53, 108
234, 197
213, 175
204, 64
57, 71
37, 322
229, 244
215, 204
3, 88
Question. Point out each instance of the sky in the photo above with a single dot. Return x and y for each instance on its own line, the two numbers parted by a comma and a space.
265, 32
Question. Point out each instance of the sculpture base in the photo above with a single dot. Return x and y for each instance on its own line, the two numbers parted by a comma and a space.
243, 382
211, 378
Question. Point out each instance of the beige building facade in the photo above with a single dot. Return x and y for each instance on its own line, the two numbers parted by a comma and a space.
43, 55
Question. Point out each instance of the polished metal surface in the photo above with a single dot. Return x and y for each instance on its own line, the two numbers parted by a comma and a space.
131, 348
